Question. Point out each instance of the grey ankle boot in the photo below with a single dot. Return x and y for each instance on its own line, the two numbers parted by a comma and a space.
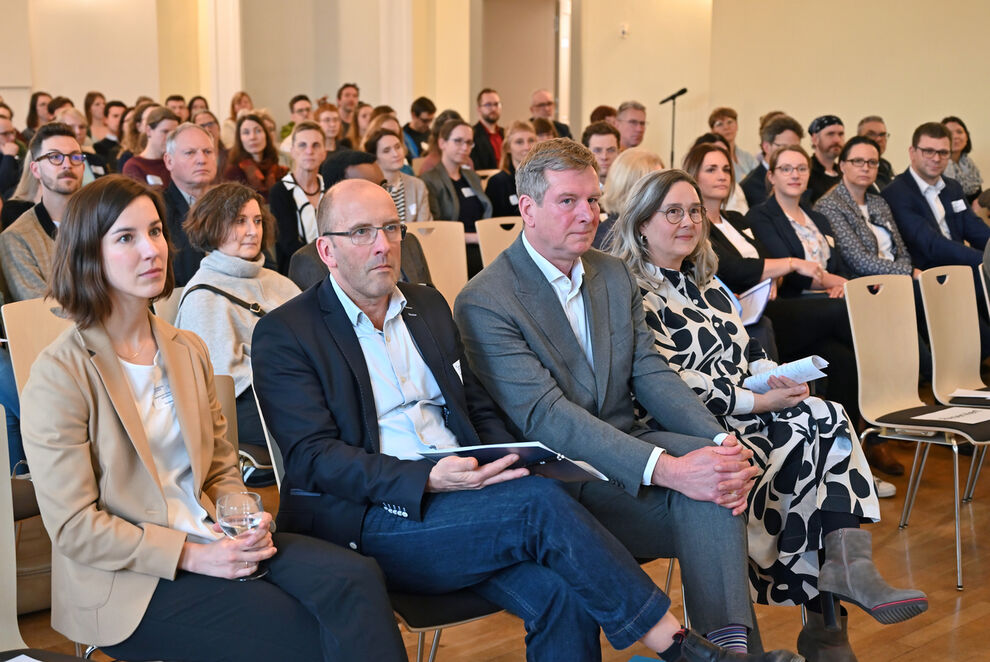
818, 644
850, 574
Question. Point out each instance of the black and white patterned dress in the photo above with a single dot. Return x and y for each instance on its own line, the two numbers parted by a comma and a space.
806, 452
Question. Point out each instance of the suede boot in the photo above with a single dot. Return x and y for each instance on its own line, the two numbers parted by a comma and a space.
695, 648
819, 644
850, 574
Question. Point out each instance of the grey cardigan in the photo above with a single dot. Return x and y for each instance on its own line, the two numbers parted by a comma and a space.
444, 204
854, 238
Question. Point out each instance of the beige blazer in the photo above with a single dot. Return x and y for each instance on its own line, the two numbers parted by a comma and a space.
99, 492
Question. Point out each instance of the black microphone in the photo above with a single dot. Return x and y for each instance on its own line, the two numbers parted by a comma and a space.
673, 96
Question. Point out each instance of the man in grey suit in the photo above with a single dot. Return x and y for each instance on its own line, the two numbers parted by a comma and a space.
556, 334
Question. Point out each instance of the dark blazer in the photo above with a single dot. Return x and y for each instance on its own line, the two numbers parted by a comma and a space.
563, 131
483, 154
501, 190
925, 241
306, 269
444, 204
770, 225
738, 272
316, 395
10, 174
754, 186
186, 259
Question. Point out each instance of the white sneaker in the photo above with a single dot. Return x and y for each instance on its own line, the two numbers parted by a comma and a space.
885, 490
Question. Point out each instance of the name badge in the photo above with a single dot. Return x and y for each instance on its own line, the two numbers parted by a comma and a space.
163, 396
958, 206
98, 170
412, 209
513, 199
154, 180
467, 192
749, 233
457, 368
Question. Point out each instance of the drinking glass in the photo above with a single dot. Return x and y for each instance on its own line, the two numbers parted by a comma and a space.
239, 512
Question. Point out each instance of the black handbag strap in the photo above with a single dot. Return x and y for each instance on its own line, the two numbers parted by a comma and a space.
253, 307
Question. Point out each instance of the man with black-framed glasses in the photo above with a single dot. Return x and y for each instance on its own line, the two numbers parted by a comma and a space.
27, 246
488, 135
931, 210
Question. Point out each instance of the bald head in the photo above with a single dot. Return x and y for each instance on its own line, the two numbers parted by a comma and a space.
541, 104
348, 197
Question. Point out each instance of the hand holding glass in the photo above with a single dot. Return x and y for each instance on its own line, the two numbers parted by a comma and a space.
239, 512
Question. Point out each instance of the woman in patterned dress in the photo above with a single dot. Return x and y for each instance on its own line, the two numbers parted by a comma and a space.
816, 487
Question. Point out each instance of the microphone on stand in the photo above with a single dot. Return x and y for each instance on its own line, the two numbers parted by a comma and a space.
673, 114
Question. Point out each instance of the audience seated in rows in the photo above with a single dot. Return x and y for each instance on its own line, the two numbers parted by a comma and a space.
501, 187
416, 132
148, 167
295, 198
409, 193
777, 132
254, 158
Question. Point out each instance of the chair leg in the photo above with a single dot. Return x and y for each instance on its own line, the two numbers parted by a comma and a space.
804, 615
79, 650
687, 621
867, 431
955, 485
974, 473
88, 655
436, 645
420, 640
670, 575
917, 468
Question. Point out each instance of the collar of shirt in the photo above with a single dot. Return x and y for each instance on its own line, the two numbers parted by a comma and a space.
396, 304
924, 186
185, 196
565, 285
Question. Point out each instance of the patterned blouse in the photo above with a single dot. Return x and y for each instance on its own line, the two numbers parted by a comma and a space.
966, 173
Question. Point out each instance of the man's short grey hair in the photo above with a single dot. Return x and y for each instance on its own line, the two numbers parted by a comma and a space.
867, 120
178, 131
630, 105
558, 154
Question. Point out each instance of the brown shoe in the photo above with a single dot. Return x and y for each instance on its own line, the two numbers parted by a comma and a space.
880, 457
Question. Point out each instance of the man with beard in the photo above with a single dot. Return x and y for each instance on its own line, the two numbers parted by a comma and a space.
28, 245
828, 135
488, 135
113, 113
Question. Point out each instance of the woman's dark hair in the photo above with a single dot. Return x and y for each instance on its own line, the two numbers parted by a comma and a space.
268, 155
449, 126
711, 138
211, 218
32, 119
91, 98
78, 281
159, 115
695, 157
857, 140
206, 104
371, 142
438, 122
969, 141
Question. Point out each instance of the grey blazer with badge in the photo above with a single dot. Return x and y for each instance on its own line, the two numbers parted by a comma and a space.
519, 343
444, 204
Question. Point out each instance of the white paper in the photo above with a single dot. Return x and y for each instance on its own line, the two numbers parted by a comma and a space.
801, 371
968, 393
23, 658
753, 301
967, 415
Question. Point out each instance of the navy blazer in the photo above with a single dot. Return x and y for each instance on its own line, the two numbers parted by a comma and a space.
483, 154
770, 224
316, 396
925, 241
185, 261
754, 185
738, 272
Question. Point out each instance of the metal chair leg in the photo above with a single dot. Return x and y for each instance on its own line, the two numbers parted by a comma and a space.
804, 615
974, 472
436, 645
866, 432
955, 485
687, 621
917, 467
420, 640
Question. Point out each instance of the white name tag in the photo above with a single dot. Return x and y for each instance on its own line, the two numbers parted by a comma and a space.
513, 199
467, 192
163, 396
412, 209
958, 206
98, 170
153, 180
457, 369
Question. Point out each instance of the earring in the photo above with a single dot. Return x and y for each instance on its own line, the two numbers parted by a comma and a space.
642, 239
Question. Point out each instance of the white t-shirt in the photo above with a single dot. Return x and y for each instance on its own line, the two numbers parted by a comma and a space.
885, 243
736, 238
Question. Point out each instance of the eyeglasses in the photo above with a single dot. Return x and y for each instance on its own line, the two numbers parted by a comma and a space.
675, 215
543, 104
723, 122
634, 122
8, 134
492, 104
788, 169
56, 158
869, 163
462, 141
207, 125
929, 153
874, 135
364, 235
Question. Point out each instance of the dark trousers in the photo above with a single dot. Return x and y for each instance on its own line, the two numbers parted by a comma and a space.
318, 602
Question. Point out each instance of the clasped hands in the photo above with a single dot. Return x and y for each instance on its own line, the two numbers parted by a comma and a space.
720, 474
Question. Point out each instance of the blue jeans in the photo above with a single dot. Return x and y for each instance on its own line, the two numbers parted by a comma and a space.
12, 408
529, 547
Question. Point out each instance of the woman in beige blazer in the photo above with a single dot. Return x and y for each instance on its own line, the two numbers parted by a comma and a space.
129, 454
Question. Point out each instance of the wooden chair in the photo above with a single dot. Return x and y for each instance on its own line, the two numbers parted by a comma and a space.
11, 643
884, 329
949, 296
446, 256
31, 326
420, 613
168, 308
496, 234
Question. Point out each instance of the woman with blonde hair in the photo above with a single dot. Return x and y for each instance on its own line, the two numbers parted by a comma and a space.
359, 127
501, 187
626, 170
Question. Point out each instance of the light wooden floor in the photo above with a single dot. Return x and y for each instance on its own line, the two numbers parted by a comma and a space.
956, 627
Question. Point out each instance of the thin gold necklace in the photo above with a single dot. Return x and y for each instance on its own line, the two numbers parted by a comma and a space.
134, 355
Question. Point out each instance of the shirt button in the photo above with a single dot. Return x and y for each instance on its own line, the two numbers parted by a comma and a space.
352, 545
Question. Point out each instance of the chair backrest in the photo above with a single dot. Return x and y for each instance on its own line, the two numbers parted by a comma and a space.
885, 336
10, 634
443, 245
31, 326
986, 287
949, 295
224, 384
273, 450
496, 234
168, 308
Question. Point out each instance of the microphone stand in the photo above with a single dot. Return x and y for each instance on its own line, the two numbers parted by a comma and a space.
673, 119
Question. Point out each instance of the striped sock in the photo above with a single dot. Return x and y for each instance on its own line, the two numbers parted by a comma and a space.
731, 637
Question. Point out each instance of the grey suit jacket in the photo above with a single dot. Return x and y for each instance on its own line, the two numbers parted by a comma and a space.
520, 345
444, 204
